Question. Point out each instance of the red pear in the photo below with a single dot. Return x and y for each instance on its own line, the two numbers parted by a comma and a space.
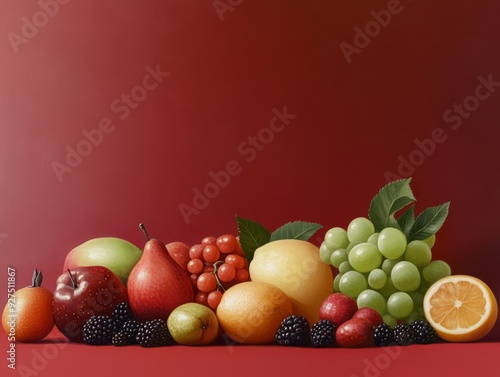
157, 284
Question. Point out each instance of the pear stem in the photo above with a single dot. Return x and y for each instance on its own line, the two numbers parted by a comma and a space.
75, 284
143, 228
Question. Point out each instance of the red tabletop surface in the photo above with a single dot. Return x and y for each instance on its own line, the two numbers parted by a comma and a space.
57, 357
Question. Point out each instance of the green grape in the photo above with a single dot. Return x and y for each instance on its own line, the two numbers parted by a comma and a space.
418, 298
421, 312
360, 229
418, 252
338, 256
436, 270
424, 285
388, 289
365, 257
413, 316
388, 264
336, 238
352, 283
391, 243
390, 320
377, 278
325, 253
372, 299
399, 305
351, 246
431, 240
373, 238
336, 282
405, 276
344, 267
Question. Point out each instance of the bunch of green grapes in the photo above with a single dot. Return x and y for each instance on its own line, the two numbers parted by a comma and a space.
382, 270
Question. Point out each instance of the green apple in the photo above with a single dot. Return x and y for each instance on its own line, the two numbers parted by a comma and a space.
193, 324
116, 254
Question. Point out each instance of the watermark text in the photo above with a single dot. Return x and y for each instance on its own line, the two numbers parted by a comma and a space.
223, 6
30, 26
122, 108
11, 308
454, 117
248, 149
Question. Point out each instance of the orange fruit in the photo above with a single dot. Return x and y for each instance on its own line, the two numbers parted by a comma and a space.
461, 308
27, 316
251, 312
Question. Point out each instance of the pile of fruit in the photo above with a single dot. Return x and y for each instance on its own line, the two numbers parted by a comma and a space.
386, 263
373, 283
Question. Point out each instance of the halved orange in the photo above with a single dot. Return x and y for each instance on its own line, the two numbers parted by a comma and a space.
461, 308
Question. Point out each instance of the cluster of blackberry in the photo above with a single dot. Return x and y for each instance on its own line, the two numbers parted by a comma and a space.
294, 331
418, 332
121, 329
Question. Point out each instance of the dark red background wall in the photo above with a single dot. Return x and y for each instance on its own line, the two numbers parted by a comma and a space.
229, 64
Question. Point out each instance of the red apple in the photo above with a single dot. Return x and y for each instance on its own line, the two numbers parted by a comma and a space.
370, 314
82, 293
355, 332
179, 251
338, 308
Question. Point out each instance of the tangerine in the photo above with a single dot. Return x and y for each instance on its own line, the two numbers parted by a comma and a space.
28, 315
251, 312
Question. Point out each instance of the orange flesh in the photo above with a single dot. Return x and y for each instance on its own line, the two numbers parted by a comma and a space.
458, 305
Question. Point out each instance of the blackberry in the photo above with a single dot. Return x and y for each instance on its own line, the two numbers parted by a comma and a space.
154, 333
383, 335
122, 313
130, 329
323, 333
424, 332
293, 331
120, 339
99, 329
403, 334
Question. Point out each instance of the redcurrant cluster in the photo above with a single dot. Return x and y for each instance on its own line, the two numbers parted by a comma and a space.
216, 264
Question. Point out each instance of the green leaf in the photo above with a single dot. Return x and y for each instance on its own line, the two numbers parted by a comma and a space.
299, 230
390, 199
429, 222
252, 236
406, 220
